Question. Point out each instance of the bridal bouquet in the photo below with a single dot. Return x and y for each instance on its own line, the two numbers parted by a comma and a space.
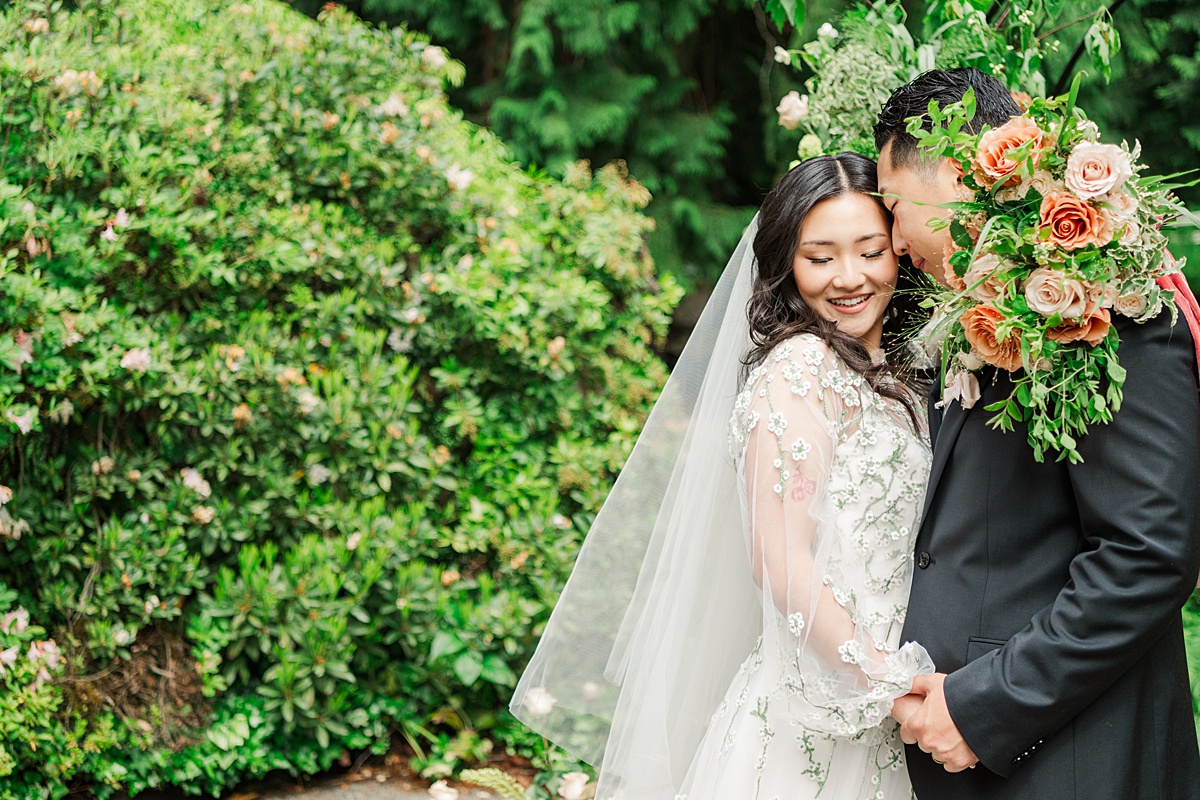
1058, 232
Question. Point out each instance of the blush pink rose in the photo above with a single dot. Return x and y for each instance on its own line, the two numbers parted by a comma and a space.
992, 162
1094, 169
1074, 223
1049, 292
981, 279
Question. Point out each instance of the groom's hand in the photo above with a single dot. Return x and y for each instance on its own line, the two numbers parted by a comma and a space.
932, 729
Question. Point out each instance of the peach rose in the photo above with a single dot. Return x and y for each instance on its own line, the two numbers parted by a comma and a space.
1095, 169
1074, 223
1049, 292
979, 325
1092, 330
993, 163
1022, 99
981, 276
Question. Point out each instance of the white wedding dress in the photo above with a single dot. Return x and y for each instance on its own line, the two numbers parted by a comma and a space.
833, 477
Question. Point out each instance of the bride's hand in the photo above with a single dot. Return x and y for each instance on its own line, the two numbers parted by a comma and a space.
904, 707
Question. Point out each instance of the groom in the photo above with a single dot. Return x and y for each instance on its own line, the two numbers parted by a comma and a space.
1048, 594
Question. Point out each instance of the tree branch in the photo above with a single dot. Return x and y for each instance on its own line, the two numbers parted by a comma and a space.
1061, 83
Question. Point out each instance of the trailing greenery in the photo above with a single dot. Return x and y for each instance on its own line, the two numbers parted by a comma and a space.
307, 393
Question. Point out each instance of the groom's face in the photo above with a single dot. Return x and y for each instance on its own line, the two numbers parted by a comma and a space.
914, 195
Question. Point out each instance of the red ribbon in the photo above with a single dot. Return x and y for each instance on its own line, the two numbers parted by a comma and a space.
1187, 304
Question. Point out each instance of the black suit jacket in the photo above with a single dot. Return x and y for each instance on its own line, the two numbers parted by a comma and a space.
1051, 592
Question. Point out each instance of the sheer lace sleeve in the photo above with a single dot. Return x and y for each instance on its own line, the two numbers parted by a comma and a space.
828, 507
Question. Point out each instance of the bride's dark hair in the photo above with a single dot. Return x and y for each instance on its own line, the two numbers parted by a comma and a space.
776, 310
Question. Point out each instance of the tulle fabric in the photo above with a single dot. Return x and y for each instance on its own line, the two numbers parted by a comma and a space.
731, 628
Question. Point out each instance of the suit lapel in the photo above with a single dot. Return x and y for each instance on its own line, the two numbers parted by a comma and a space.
953, 416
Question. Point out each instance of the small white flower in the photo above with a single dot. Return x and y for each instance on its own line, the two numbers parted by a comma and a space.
776, 423
353, 541
203, 514
318, 474
62, 412
394, 106
109, 235
121, 220
782, 56
433, 57
459, 178
443, 791
137, 359
539, 702
103, 465
796, 623
827, 31
561, 522
308, 401
122, 637
192, 479
152, 603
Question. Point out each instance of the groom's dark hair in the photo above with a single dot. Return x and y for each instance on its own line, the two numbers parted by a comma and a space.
994, 106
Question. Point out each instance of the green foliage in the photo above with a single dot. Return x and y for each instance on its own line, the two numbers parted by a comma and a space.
668, 87
306, 391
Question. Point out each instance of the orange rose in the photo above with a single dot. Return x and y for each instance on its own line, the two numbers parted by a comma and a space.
1092, 330
1074, 223
993, 163
979, 325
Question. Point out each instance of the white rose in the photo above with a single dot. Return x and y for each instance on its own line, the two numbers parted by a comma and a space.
963, 387
1094, 169
792, 108
971, 361
575, 786
539, 701
1131, 305
459, 178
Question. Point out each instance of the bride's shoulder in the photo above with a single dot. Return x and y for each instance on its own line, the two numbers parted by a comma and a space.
807, 349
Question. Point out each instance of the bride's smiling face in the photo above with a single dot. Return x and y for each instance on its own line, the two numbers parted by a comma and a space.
844, 266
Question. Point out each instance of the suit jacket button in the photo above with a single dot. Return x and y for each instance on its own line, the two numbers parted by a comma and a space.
924, 560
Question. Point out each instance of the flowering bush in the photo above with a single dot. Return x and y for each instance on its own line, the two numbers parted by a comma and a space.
1060, 232
306, 392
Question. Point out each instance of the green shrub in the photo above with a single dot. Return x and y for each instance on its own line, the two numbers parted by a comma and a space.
307, 393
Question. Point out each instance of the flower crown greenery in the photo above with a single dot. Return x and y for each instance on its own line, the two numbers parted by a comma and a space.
1060, 233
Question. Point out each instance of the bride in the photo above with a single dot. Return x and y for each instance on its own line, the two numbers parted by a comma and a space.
731, 628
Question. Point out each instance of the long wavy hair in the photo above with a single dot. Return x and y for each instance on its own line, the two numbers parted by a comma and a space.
776, 310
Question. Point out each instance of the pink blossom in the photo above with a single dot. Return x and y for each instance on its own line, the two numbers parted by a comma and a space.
121, 220
24, 422
109, 234
15, 621
8, 658
137, 359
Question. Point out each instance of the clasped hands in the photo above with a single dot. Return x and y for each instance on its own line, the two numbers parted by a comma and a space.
925, 721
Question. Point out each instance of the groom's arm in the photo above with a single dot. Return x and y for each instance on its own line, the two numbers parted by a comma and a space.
1136, 491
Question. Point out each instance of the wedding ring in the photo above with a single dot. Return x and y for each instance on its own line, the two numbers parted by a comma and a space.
936, 761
